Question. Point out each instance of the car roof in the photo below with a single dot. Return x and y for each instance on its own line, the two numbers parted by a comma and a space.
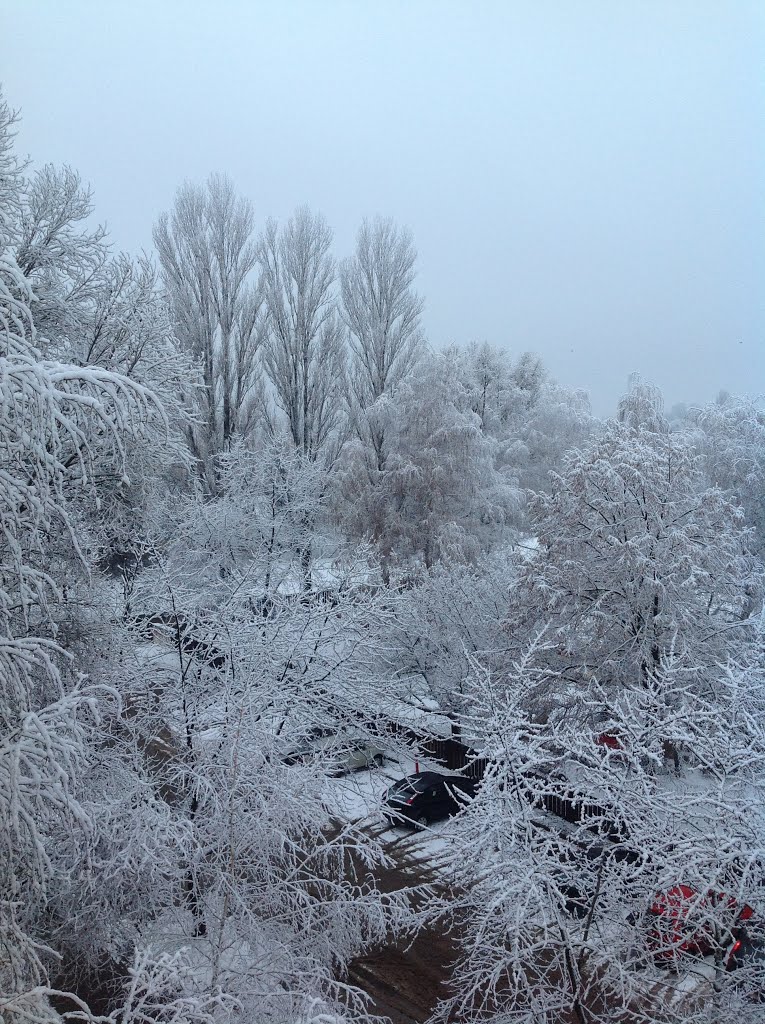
419, 779
430, 776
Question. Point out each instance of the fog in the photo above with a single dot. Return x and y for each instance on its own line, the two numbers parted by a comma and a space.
583, 180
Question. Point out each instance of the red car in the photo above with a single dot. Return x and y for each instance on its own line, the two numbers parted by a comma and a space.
687, 922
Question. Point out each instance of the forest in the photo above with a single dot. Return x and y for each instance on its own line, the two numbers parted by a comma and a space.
253, 524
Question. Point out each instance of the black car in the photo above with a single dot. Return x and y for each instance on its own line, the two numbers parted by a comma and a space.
427, 796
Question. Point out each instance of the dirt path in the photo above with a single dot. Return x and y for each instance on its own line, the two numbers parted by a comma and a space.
406, 979
405, 983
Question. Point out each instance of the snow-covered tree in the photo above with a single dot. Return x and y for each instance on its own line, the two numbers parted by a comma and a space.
273, 497
304, 353
558, 420
642, 406
555, 916
53, 417
10, 173
441, 495
60, 255
455, 614
382, 314
638, 559
731, 435
494, 393
90, 309
208, 256
126, 327
272, 890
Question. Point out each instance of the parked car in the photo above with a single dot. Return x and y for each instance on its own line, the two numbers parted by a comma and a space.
339, 752
419, 799
685, 922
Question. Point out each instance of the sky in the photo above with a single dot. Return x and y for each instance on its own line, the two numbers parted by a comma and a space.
583, 179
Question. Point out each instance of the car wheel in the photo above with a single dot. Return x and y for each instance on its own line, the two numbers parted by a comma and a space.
422, 821
379, 760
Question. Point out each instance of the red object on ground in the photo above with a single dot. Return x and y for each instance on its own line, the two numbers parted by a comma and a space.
607, 739
416, 767
685, 921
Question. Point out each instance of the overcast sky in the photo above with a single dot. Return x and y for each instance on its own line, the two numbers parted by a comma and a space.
583, 179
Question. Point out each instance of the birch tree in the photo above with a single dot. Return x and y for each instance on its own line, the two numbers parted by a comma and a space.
642, 406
